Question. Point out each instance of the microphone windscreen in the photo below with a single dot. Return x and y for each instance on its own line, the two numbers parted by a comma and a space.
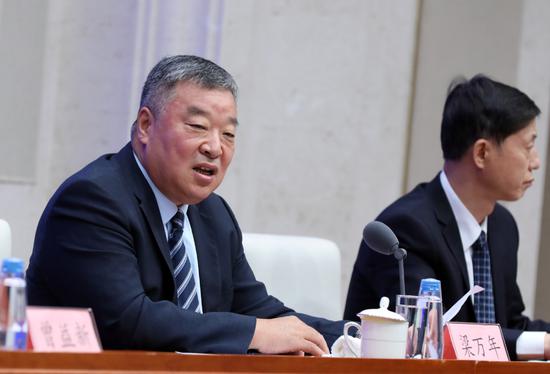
380, 238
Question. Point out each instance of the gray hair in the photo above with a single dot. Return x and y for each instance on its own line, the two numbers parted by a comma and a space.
162, 79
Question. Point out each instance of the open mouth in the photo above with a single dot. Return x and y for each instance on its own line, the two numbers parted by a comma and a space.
204, 171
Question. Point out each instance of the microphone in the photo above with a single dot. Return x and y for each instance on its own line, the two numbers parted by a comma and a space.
380, 238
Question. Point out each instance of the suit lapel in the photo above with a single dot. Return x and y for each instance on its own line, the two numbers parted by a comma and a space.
449, 227
146, 200
209, 267
151, 212
496, 241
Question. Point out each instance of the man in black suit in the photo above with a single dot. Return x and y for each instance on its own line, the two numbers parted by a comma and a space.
140, 237
488, 139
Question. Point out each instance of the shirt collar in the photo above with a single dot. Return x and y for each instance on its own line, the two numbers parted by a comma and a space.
468, 227
166, 207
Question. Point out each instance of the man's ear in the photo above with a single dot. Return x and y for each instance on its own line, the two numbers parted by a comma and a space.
480, 152
144, 122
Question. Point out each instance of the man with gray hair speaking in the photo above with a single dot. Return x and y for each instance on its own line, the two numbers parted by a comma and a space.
140, 237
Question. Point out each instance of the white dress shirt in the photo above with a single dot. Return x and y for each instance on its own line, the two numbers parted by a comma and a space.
529, 342
167, 210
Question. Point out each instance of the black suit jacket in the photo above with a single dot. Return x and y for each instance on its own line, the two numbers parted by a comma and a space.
100, 243
425, 225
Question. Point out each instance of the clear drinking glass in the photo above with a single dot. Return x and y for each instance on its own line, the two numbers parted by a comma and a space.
424, 314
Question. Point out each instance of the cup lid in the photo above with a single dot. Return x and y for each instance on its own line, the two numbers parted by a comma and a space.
381, 312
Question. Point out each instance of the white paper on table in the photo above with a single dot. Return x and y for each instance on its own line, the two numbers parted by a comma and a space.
451, 313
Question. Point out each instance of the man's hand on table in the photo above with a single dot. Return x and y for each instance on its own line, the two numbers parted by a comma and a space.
287, 335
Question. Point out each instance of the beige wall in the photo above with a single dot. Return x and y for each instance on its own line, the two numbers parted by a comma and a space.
325, 92
457, 38
336, 111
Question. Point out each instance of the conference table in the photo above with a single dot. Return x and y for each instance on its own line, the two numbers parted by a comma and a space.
162, 362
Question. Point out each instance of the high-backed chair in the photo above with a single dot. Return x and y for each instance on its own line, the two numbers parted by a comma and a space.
303, 272
5, 240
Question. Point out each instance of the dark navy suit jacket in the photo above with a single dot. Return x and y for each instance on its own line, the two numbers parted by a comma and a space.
100, 243
425, 225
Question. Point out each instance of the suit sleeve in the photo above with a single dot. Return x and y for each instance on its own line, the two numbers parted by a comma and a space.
84, 256
251, 297
507, 239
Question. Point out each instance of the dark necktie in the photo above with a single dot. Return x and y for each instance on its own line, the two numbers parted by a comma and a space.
183, 274
484, 303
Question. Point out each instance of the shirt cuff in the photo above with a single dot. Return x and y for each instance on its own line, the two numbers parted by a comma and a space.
530, 345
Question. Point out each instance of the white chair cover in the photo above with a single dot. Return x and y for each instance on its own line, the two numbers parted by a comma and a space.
302, 272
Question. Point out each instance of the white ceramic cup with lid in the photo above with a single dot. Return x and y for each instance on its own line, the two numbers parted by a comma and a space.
383, 333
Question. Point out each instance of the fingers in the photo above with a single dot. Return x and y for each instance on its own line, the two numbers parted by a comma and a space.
287, 335
316, 340
313, 349
309, 340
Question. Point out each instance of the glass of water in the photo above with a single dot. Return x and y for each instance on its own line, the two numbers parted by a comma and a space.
424, 315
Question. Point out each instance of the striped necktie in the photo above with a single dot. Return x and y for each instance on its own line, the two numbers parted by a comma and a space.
484, 303
183, 273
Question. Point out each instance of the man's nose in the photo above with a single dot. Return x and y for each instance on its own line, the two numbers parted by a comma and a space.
534, 162
212, 147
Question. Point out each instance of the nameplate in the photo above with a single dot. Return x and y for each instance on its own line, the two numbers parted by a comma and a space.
62, 330
474, 341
